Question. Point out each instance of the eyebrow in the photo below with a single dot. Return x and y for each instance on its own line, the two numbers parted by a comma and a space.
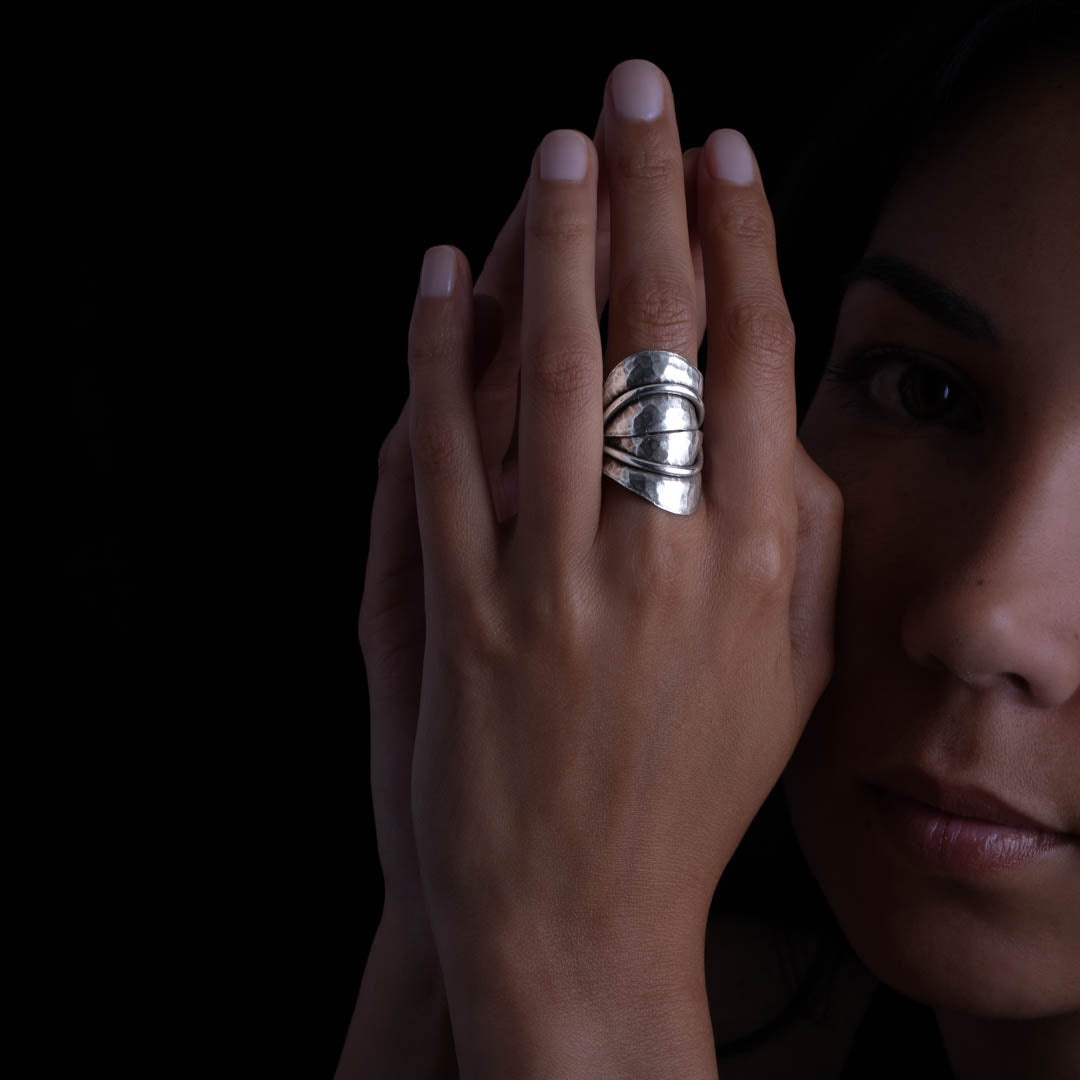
929, 295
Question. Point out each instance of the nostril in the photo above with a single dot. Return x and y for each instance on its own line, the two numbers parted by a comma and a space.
1020, 683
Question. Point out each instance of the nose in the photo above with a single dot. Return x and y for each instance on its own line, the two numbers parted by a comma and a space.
1001, 604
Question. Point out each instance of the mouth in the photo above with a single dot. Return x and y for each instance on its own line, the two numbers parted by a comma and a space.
964, 801
960, 831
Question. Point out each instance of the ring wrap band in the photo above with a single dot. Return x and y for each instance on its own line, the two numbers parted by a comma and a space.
653, 412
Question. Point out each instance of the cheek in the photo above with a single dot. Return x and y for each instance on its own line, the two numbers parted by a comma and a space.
1007, 948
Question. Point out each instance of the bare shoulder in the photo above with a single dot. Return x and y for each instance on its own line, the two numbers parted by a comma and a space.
751, 974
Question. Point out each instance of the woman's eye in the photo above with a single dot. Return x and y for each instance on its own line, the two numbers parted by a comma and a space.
915, 392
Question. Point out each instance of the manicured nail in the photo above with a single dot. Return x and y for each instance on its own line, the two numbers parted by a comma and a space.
727, 153
563, 156
637, 90
437, 275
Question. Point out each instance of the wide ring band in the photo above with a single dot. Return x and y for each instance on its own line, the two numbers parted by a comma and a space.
673, 494
662, 447
651, 366
653, 412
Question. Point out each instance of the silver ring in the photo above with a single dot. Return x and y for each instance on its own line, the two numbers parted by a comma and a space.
670, 493
651, 366
655, 393
663, 447
653, 412
653, 466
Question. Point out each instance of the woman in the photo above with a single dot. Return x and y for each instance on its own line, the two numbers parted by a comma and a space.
884, 611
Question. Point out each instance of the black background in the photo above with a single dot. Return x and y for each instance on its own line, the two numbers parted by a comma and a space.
244, 210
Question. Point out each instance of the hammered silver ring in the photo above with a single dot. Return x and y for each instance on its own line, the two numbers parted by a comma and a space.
653, 413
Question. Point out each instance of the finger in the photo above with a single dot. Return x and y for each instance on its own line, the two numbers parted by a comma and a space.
501, 276
391, 631
750, 418
652, 271
453, 503
690, 167
497, 302
603, 231
813, 591
497, 299
561, 433
394, 560
603, 221
498, 315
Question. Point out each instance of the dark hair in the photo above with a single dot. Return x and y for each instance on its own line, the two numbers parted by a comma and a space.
927, 80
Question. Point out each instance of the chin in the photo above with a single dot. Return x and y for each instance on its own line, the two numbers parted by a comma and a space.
1003, 945
971, 969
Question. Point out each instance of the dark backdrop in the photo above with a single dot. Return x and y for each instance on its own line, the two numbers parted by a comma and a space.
245, 210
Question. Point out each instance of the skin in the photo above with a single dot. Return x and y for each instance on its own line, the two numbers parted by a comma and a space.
975, 632
576, 792
958, 607
559, 857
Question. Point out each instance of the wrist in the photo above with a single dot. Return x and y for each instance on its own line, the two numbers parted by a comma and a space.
401, 1024
612, 1016
405, 932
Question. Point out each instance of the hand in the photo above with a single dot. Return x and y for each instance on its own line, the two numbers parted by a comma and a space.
391, 627
609, 692
402, 981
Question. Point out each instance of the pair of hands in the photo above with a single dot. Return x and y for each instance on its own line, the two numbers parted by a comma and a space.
578, 701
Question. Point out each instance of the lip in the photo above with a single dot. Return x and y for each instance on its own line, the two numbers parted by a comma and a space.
960, 831
961, 800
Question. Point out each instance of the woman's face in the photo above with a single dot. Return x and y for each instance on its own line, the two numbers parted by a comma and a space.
957, 677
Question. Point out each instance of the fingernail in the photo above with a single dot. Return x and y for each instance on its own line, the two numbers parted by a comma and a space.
437, 275
563, 156
637, 90
728, 156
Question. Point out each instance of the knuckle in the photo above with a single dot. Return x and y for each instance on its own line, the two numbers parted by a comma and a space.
555, 616
659, 568
478, 629
429, 350
765, 557
743, 217
664, 309
438, 445
648, 161
553, 227
393, 459
551, 609
830, 501
563, 365
820, 498
762, 326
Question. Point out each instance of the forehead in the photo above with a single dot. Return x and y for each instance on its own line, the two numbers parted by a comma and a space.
992, 207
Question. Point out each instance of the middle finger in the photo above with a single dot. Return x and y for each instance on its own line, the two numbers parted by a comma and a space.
652, 271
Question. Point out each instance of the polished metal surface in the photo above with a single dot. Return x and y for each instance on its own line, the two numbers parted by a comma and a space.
651, 393
651, 466
675, 495
653, 412
648, 367
665, 447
